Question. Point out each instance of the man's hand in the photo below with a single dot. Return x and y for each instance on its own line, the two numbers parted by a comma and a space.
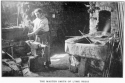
30, 34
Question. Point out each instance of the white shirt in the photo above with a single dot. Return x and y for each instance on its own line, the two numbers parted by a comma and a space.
38, 22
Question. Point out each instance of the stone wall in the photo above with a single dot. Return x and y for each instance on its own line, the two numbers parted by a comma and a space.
107, 6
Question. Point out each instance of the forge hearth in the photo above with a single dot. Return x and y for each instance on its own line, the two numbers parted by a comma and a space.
96, 44
88, 47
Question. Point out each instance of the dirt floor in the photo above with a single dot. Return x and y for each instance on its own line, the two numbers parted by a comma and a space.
58, 68
57, 73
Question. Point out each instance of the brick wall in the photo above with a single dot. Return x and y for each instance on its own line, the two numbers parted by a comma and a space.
108, 6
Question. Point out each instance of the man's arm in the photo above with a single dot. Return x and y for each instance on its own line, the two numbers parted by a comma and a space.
37, 30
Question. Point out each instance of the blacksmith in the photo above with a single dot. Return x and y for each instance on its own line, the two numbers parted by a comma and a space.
41, 27
41, 32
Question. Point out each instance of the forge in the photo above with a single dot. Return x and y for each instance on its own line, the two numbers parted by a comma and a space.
90, 47
96, 45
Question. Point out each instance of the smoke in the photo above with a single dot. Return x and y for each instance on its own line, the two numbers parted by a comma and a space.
106, 27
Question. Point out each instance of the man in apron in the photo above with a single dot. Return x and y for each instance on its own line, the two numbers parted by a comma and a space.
41, 31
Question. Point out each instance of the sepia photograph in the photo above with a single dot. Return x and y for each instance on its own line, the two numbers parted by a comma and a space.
74, 39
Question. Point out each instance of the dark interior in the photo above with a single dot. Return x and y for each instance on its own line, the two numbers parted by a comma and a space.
104, 16
84, 40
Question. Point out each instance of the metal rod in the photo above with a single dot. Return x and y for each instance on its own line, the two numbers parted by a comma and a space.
10, 56
88, 39
85, 37
81, 32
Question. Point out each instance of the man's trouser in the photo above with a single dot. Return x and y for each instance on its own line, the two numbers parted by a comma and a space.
44, 39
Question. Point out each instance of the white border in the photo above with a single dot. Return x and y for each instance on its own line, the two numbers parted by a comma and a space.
72, 79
